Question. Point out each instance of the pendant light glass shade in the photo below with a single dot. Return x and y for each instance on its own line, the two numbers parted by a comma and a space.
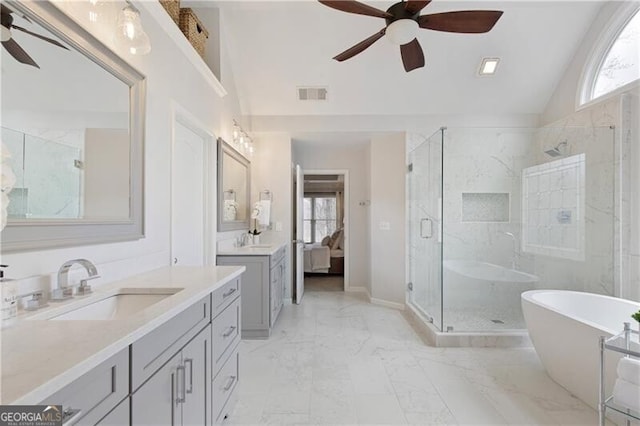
129, 32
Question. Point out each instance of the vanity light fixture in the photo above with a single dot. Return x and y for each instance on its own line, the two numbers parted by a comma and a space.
129, 32
242, 142
488, 66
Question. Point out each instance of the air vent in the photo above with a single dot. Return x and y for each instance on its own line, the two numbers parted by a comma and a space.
312, 93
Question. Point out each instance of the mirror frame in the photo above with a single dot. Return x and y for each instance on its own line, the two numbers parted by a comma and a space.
233, 225
39, 234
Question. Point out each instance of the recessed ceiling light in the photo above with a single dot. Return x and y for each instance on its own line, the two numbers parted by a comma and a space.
488, 66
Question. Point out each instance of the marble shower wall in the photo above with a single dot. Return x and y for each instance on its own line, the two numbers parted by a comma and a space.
595, 271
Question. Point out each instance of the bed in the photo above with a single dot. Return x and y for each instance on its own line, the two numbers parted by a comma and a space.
319, 259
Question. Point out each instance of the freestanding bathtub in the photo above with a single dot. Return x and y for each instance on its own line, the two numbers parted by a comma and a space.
565, 327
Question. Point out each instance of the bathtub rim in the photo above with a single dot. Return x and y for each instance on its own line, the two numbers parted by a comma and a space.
528, 297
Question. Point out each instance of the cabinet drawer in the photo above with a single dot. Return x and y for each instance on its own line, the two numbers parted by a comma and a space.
150, 352
225, 383
119, 416
97, 392
226, 333
223, 296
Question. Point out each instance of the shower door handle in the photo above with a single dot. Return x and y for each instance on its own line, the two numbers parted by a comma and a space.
426, 228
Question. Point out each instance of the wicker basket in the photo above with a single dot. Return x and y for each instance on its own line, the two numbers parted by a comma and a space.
173, 9
193, 30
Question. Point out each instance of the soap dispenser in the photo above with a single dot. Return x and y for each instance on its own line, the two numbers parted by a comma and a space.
9, 306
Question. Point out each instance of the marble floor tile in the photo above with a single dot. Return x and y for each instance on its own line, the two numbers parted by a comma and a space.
379, 409
338, 360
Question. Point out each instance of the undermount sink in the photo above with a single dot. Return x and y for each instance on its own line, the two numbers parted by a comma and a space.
488, 271
260, 246
117, 305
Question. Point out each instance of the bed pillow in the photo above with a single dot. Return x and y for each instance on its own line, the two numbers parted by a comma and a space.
326, 241
338, 238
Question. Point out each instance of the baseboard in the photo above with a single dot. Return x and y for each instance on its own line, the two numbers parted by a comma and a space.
393, 305
362, 290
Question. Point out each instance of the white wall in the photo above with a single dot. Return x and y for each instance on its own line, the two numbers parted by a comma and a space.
171, 79
563, 101
271, 170
388, 219
346, 157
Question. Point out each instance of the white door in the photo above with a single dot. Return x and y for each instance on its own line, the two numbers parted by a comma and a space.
299, 241
187, 198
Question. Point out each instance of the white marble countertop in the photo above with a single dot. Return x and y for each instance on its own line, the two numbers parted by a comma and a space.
251, 250
39, 357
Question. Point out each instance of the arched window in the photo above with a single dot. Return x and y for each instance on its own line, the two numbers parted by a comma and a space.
615, 60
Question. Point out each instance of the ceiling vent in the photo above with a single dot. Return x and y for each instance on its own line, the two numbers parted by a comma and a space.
312, 93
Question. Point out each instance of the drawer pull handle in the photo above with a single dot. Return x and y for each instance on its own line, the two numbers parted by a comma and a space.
182, 379
230, 383
228, 293
70, 416
229, 331
190, 362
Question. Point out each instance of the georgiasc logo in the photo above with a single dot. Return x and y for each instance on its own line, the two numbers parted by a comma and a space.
31, 415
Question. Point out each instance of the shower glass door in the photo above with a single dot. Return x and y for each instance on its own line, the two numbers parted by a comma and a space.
424, 183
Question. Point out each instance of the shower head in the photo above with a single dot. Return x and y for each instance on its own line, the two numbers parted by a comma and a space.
556, 152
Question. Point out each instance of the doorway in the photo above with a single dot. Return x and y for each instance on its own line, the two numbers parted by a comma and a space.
325, 213
190, 214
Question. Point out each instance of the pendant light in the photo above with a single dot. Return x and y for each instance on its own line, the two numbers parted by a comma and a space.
129, 32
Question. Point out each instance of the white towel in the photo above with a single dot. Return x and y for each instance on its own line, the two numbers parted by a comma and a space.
264, 212
627, 395
629, 370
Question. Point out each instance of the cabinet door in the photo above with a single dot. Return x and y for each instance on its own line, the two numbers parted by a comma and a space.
118, 417
156, 401
196, 358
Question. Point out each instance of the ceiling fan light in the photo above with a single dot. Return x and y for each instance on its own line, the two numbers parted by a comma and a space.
129, 32
5, 34
402, 31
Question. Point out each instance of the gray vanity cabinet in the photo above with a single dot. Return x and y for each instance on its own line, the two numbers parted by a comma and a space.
118, 417
177, 393
263, 288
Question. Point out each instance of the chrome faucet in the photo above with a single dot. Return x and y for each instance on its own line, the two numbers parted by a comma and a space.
64, 291
515, 248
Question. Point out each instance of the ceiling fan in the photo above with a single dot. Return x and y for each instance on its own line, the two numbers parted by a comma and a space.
404, 20
11, 45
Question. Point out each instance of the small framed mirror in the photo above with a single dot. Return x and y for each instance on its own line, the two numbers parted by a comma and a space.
234, 188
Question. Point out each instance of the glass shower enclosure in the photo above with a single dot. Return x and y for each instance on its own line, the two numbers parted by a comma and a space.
494, 212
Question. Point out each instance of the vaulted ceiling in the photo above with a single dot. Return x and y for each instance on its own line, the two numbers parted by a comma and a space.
277, 46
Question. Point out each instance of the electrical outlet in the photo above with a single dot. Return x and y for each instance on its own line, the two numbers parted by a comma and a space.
279, 226
385, 226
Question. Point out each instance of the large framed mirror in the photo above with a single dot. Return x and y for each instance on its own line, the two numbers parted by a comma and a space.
234, 188
73, 123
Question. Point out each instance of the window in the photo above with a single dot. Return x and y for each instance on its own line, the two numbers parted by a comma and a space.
320, 217
615, 61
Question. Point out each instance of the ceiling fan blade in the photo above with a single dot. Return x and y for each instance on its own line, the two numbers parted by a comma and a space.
352, 6
412, 55
415, 6
18, 52
464, 21
5, 10
360, 47
41, 37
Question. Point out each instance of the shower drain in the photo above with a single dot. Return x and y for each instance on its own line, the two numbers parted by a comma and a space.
497, 321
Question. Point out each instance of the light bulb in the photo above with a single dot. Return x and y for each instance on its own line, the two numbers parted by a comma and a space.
402, 31
129, 32
235, 132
